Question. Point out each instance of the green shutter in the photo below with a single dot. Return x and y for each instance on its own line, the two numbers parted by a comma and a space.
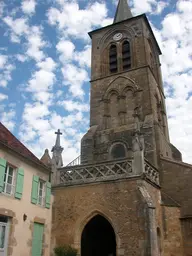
34, 192
19, 183
37, 242
3, 163
48, 195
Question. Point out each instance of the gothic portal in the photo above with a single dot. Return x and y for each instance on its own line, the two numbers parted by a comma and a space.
129, 171
98, 238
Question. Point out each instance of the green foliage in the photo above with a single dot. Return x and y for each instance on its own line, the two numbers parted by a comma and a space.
65, 250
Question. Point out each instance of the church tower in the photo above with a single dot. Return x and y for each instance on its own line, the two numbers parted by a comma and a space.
121, 199
126, 92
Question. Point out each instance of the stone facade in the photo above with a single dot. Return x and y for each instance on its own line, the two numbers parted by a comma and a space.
121, 95
130, 173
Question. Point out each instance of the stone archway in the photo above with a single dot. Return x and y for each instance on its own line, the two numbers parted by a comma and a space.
98, 238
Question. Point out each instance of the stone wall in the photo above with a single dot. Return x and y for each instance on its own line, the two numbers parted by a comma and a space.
131, 206
172, 235
176, 180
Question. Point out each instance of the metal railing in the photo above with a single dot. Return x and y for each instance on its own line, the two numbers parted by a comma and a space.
76, 161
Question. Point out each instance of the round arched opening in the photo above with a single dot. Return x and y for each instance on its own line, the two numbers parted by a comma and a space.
118, 151
98, 238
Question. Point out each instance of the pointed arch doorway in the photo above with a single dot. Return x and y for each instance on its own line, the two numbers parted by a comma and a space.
98, 238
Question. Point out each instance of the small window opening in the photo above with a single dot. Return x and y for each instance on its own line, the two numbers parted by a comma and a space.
113, 58
41, 193
126, 55
118, 151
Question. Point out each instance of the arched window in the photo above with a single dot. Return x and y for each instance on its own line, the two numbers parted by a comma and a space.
118, 151
126, 55
113, 58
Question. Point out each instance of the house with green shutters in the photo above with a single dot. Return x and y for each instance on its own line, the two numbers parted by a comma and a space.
25, 200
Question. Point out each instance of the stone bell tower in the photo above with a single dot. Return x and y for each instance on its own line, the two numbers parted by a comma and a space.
126, 91
111, 204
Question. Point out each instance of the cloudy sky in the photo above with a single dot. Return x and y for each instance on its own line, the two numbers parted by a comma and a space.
45, 67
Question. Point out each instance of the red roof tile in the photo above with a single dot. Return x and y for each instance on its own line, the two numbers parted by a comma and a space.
9, 140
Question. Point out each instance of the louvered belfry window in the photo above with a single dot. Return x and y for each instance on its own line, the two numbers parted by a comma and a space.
113, 58
126, 55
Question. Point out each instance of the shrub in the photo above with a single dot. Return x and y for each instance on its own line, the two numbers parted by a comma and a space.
65, 250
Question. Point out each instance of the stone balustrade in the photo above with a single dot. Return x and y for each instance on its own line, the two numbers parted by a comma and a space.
110, 170
151, 173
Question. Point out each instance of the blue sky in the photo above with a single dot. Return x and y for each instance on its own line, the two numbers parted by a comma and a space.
45, 66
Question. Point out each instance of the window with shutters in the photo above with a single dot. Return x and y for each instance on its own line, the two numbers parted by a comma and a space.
41, 193
9, 180
113, 58
126, 55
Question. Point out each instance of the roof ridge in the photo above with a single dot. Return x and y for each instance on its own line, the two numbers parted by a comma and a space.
9, 140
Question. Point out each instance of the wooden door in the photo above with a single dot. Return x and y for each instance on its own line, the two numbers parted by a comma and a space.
37, 243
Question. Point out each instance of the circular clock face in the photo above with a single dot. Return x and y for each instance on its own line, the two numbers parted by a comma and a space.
117, 37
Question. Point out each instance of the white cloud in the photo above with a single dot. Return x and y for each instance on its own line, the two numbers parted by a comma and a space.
160, 7
70, 106
151, 6
28, 6
42, 80
48, 64
3, 61
74, 77
7, 119
68, 54
73, 21
84, 57
5, 75
3, 97
175, 38
19, 26
21, 57
39, 126
66, 49
35, 44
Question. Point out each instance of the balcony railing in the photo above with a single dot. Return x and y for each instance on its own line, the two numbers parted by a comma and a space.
76, 161
151, 173
93, 173
110, 170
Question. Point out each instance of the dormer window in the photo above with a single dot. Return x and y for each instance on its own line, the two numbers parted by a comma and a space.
126, 55
113, 58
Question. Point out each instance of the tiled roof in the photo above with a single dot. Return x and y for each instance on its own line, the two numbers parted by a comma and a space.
9, 140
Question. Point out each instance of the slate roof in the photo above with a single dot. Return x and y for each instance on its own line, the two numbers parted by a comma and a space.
10, 141
123, 11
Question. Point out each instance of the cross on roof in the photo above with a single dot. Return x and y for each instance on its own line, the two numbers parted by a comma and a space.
58, 132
